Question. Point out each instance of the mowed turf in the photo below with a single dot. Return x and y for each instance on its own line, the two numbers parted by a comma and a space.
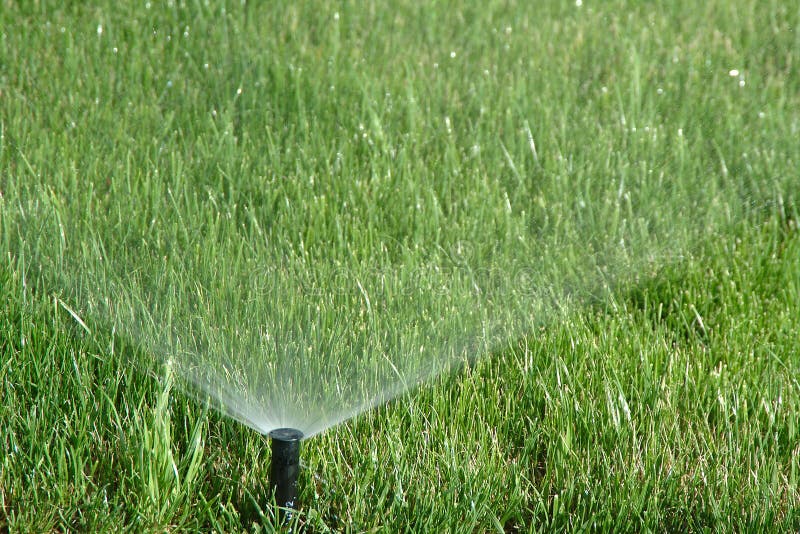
664, 396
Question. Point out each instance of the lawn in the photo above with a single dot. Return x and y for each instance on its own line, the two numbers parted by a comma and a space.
510, 266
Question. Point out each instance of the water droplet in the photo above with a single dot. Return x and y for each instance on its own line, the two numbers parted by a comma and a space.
147, 5
238, 91
99, 29
578, 3
169, 84
205, 66
604, 89
452, 55
733, 73
115, 50
336, 16
741, 82
659, 91
761, 115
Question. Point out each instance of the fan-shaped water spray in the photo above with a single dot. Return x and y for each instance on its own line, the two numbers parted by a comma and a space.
281, 330
280, 334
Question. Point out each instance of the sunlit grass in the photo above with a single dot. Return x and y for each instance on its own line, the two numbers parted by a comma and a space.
588, 210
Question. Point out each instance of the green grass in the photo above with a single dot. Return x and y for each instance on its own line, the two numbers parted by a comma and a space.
176, 177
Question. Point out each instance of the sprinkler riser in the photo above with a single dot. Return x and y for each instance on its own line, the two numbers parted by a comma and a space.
285, 467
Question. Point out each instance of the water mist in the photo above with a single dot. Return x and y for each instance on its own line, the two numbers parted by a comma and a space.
279, 336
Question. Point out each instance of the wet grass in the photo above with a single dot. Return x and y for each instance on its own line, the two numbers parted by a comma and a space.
347, 142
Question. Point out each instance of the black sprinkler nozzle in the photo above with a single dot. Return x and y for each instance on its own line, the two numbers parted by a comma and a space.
285, 467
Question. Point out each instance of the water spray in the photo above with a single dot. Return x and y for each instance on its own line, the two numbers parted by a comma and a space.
285, 468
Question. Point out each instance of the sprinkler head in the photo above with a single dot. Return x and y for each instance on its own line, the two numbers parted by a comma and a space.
285, 468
